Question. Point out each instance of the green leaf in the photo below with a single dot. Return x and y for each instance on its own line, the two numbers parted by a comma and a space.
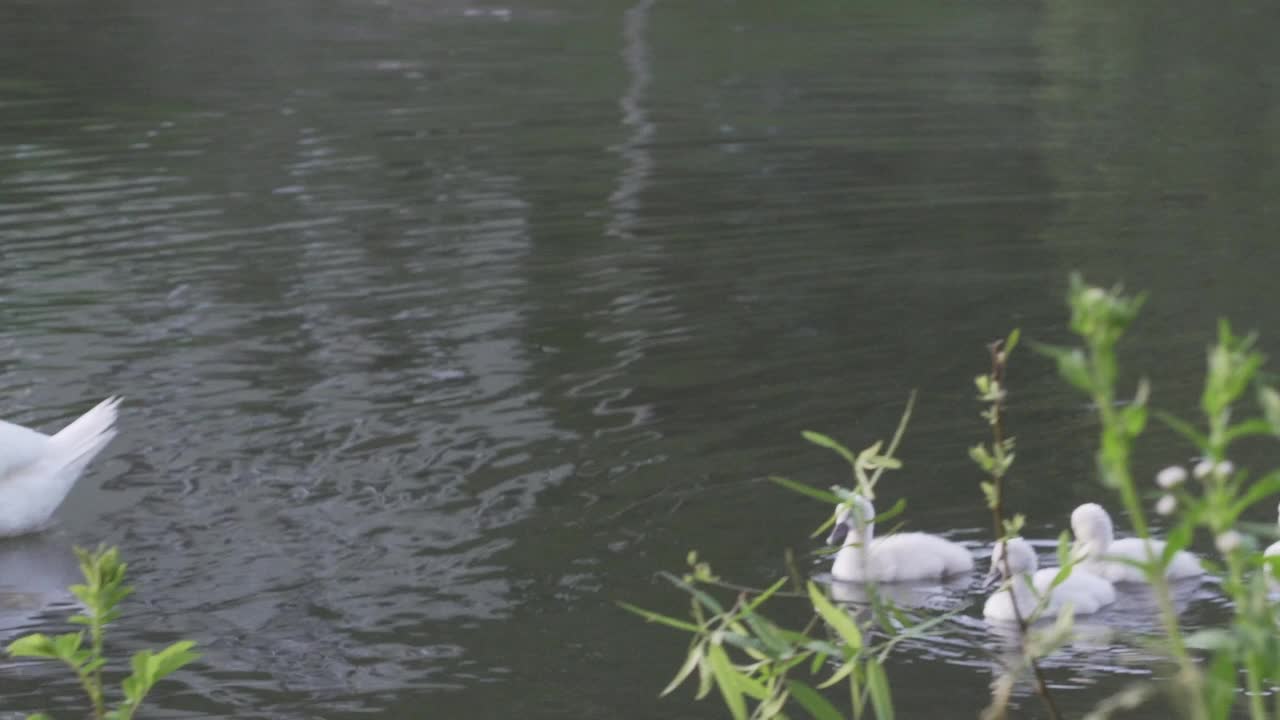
844, 671
1269, 399
726, 677
66, 645
657, 617
1064, 549
1012, 341
836, 618
893, 511
1220, 683
173, 658
768, 593
1256, 426
134, 689
818, 706
1135, 419
704, 678
1072, 365
37, 645
821, 440
989, 492
803, 489
702, 597
690, 664
1263, 487
1179, 538
878, 686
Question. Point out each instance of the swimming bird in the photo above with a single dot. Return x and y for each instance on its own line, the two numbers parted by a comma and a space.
1272, 551
1085, 592
895, 558
1105, 556
37, 470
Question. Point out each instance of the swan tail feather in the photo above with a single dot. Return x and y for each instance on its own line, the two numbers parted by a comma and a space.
77, 444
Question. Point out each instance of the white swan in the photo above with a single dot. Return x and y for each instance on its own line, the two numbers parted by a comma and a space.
1273, 550
1104, 556
895, 558
37, 470
1085, 592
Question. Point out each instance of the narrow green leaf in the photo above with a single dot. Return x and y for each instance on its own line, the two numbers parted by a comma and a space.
836, 618
702, 597
1184, 429
878, 686
690, 664
893, 512
726, 680
803, 489
1064, 548
1263, 487
768, 593
811, 700
1178, 539
1012, 341
1248, 428
821, 440
844, 671
704, 678
651, 616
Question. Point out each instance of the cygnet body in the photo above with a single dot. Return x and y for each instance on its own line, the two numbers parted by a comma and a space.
1272, 551
1105, 556
37, 470
1085, 592
900, 557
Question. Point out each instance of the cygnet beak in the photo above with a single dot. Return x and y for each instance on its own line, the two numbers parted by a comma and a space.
993, 577
838, 534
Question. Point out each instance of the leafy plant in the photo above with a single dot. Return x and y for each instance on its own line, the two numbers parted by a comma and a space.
757, 664
101, 594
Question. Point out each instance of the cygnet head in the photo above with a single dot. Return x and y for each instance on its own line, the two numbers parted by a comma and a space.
858, 515
1091, 525
1022, 559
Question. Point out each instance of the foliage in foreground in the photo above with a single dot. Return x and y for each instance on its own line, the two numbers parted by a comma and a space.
101, 593
763, 670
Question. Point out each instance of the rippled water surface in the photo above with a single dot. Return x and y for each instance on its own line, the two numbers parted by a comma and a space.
444, 326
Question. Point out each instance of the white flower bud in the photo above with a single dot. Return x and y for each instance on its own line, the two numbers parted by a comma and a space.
1094, 295
1171, 477
1202, 469
1227, 541
1224, 469
1166, 504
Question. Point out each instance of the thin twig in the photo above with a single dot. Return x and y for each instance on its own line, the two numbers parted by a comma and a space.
999, 361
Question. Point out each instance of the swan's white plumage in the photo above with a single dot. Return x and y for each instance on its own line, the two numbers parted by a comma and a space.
1273, 550
900, 557
37, 470
1085, 592
1104, 555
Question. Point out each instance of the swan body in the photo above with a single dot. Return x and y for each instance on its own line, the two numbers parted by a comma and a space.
1272, 550
1104, 556
37, 470
1085, 592
901, 557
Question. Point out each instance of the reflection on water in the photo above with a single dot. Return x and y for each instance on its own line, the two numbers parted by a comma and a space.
443, 327
35, 573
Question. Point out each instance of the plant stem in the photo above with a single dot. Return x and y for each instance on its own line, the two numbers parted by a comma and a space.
1116, 470
998, 364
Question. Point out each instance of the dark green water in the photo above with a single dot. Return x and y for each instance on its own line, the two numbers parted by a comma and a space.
444, 326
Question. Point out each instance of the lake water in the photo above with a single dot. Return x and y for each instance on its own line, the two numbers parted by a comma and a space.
444, 326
